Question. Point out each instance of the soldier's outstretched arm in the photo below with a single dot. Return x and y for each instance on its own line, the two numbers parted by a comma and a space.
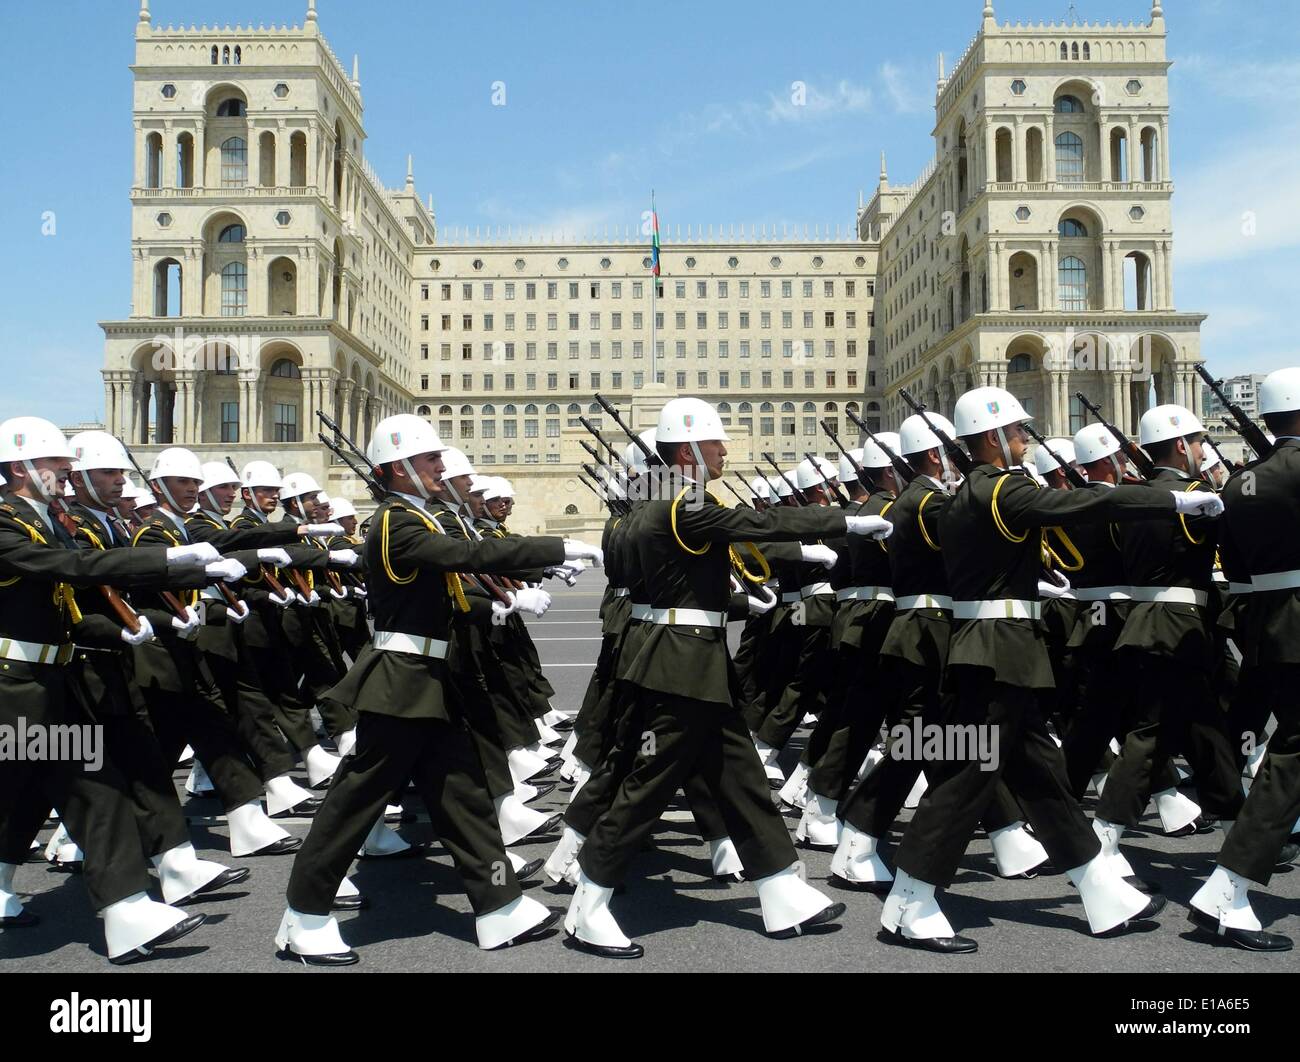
1021, 504
408, 542
710, 522
20, 556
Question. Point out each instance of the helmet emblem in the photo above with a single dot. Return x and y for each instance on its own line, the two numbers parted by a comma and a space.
397, 438
993, 408
1174, 421
19, 440
689, 420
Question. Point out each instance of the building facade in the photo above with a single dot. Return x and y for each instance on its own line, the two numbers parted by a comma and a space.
275, 275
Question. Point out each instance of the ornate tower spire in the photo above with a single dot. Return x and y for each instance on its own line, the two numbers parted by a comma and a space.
144, 11
410, 173
311, 11
356, 72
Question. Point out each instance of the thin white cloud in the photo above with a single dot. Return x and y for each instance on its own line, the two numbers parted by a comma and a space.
804, 100
906, 92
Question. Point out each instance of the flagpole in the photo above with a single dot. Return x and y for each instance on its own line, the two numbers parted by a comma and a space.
654, 306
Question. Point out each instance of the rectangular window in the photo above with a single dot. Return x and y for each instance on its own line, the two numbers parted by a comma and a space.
424, 351
530, 381
616, 349
787, 379
530, 322
616, 381
765, 350
573, 350
573, 289
681, 380
616, 321
552, 322
787, 319
808, 379
466, 352
467, 382
573, 381
830, 379
744, 348
552, 289
850, 288
702, 380
638, 381
487, 381
810, 425
595, 289
445, 428
552, 459
510, 322
595, 381
701, 320
530, 429
616, 289
702, 289
532, 459
765, 319
511, 429
552, 351
724, 381
638, 321
424, 383
638, 289
766, 380
467, 323
723, 348
510, 381
787, 289
851, 347
679, 289
679, 320
553, 428
850, 319
744, 289
745, 378
595, 322
489, 429
681, 348
765, 289
807, 289
446, 293
286, 422
446, 382
467, 429
766, 426
530, 291
230, 422
702, 349
595, 348
510, 290
487, 291
787, 428
234, 290
510, 352
851, 379
467, 291
530, 351
552, 381
573, 322
638, 349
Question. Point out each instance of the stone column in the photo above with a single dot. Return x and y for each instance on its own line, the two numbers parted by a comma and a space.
1053, 275
1108, 276
257, 284
192, 284
1134, 154
305, 296
990, 160
168, 168
141, 155
1019, 156
1049, 150
184, 387
995, 277
200, 154
254, 156
344, 417
1167, 273
1164, 149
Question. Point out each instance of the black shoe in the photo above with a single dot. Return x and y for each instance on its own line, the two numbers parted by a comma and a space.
301, 809
821, 918
1197, 826
1027, 875
563, 726
542, 790
880, 888
342, 958
1246, 939
542, 929
350, 903
416, 851
283, 846
19, 921
544, 833
222, 881
1153, 908
75, 866
1287, 856
181, 929
730, 879
529, 870
776, 784
1147, 888
605, 951
942, 945
790, 811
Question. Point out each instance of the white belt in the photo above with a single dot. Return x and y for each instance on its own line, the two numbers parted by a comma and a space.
640, 612
1003, 608
686, 617
621, 591
865, 593
1219, 577
815, 590
1241, 588
1103, 593
35, 652
1169, 595
415, 644
790, 599
1275, 581
912, 601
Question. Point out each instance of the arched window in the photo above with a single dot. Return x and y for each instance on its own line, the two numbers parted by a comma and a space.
552, 410
766, 407
232, 234
570, 510
234, 290
286, 370
851, 407
424, 411
787, 407
232, 108
1068, 104
724, 407
215, 55
1074, 50
574, 410
466, 411
1072, 229
745, 407
509, 411
594, 409
489, 410
1065, 50
239, 55
1020, 363
225, 55
831, 407
234, 163
444, 411
873, 407
810, 407
1069, 158
1087, 50
1073, 284
530, 410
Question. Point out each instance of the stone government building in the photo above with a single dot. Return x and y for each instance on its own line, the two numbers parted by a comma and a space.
275, 275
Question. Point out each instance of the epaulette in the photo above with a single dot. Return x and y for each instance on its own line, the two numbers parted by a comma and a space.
8, 509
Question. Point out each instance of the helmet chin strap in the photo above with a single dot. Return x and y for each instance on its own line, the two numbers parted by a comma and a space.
89, 486
419, 483
38, 482
1006, 449
1119, 469
701, 469
167, 495
948, 476
1193, 465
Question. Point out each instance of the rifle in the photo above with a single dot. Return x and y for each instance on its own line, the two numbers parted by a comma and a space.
651, 457
169, 599
1241, 424
906, 473
751, 490
609, 503
799, 495
960, 458
840, 496
858, 470
360, 466
1229, 465
1145, 466
601, 490
735, 493
268, 576
1071, 473
618, 457
126, 615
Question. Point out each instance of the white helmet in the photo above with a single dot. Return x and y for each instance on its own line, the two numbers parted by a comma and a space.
498, 487
1212, 456
176, 463
261, 474
916, 437
297, 485
986, 408
479, 484
1167, 422
873, 455
632, 455
341, 508
218, 474
690, 420
849, 474
1280, 392
1094, 443
781, 487
809, 475
145, 500
94, 450
455, 463
1045, 462
130, 492
402, 436
760, 486
29, 438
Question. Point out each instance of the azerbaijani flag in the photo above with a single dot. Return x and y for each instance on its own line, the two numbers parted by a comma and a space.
654, 254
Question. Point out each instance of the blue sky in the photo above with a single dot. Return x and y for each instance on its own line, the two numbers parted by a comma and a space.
605, 100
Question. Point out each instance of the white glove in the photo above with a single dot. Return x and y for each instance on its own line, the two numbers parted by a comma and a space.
346, 557
226, 569
761, 606
533, 599
288, 599
188, 628
358, 592
575, 550
500, 611
314, 599
198, 555
278, 557
823, 555
1197, 503
237, 615
875, 526
144, 634
1051, 590
320, 530
339, 595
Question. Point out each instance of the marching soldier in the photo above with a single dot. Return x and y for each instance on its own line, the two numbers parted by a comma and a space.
349, 613
39, 567
409, 726
997, 663
684, 711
